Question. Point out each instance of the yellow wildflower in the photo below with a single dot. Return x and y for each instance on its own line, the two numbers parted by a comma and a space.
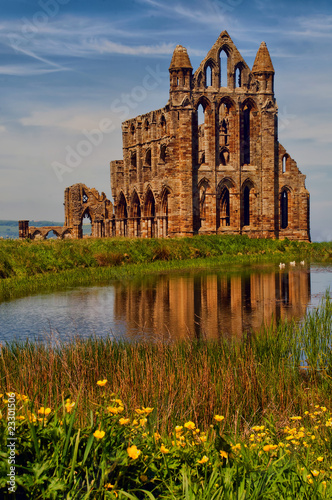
133, 452
157, 436
315, 472
99, 434
163, 449
178, 428
203, 460
109, 486
219, 418
296, 418
223, 454
101, 383
113, 409
270, 447
320, 459
69, 406
124, 421
190, 425
44, 411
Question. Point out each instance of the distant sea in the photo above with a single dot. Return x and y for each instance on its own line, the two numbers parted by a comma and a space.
9, 228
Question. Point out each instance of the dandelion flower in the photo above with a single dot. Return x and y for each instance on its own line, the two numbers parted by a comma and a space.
133, 452
101, 383
99, 434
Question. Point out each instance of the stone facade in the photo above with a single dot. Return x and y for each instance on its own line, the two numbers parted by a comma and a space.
80, 202
209, 162
226, 173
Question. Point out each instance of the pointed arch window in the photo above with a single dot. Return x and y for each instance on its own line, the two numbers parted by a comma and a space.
238, 77
284, 208
246, 206
148, 158
223, 70
150, 212
122, 215
163, 125
201, 134
208, 76
224, 207
136, 213
163, 152
224, 156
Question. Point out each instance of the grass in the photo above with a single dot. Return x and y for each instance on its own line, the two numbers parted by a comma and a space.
272, 379
28, 266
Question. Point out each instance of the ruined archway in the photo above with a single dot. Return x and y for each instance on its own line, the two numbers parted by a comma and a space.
136, 215
122, 215
150, 213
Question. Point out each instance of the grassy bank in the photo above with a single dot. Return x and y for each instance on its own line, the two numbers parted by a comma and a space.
28, 266
273, 379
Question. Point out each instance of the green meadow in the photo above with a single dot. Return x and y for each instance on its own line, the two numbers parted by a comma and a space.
226, 419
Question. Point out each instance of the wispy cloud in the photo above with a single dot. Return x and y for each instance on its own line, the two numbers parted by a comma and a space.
25, 70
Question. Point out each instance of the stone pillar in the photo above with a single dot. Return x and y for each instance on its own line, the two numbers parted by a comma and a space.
23, 229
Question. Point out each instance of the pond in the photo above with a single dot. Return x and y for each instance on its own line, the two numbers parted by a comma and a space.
173, 305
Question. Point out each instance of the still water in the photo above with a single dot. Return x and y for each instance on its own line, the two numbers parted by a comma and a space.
175, 305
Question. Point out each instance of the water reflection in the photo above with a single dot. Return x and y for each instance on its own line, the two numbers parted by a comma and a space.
174, 305
206, 304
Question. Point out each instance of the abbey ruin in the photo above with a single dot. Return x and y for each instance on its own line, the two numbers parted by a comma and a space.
209, 162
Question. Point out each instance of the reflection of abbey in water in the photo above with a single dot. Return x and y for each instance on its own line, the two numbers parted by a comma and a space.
211, 304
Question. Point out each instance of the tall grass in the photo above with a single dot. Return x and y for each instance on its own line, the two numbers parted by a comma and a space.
274, 373
29, 266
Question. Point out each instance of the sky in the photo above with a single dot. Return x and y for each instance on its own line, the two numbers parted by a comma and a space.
72, 70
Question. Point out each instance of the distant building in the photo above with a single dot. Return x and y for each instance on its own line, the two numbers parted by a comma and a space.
209, 162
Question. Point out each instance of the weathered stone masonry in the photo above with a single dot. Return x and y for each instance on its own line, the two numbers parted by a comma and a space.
229, 174
209, 162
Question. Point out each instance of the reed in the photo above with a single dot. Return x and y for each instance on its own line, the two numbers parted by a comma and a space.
185, 420
276, 372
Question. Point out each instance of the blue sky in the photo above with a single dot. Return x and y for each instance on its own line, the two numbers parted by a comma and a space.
71, 67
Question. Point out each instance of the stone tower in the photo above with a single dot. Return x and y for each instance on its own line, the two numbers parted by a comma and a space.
209, 162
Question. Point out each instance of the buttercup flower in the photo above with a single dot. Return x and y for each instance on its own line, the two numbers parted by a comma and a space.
133, 452
223, 454
44, 411
124, 421
99, 434
219, 418
163, 449
190, 425
101, 383
203, 460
